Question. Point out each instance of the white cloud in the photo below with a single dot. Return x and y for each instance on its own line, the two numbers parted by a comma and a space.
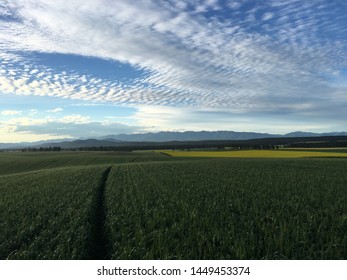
25, 121
160, 118
55, 110
267, 16
241, 64
9, 135
75, 119
33, 112
234, 4
76, 130
70, 126
10, 112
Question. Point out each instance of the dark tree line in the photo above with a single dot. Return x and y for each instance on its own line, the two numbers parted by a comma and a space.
41, 149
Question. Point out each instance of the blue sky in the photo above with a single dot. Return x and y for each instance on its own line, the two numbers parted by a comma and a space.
88, 68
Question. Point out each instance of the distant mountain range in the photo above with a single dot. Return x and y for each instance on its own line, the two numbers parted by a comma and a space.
166, 136
133, 139
209, 135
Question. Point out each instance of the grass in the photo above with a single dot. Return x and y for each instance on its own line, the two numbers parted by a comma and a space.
17, 162
48, 214
110, 205
223, 209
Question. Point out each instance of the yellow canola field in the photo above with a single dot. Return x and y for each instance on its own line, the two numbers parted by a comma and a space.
254, 154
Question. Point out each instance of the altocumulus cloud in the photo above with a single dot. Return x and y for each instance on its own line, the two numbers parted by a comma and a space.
244, 57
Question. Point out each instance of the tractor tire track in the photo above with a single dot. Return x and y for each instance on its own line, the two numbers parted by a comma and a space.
98, 246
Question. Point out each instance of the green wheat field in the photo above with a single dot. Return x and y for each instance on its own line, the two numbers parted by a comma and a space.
150, 205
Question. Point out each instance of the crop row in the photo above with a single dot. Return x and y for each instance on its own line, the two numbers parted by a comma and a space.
18, 162
185, 209
48, 214
228, 209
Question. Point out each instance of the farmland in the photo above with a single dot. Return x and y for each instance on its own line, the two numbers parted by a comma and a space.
154, 206
48, 214
283, 153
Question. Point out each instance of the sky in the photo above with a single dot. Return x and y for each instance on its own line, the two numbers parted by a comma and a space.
90, 68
